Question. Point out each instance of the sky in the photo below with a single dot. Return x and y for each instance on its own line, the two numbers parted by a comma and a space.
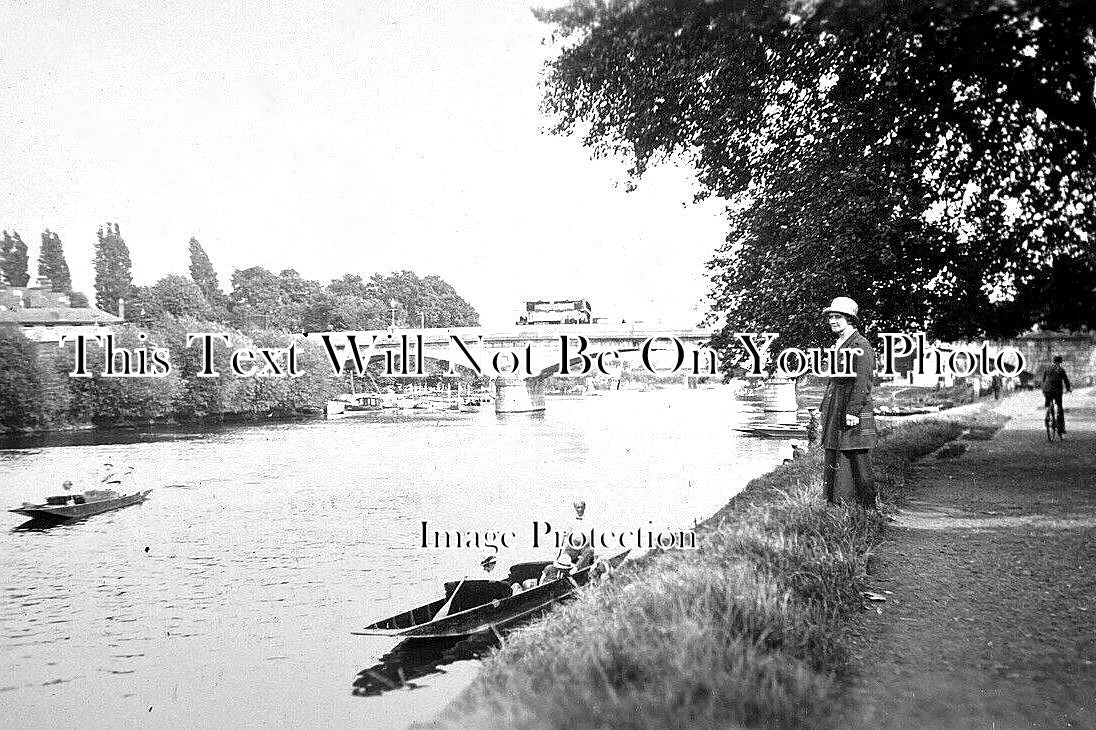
333, 138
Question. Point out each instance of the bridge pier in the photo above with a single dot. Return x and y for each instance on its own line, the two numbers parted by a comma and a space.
519, 394
778, 395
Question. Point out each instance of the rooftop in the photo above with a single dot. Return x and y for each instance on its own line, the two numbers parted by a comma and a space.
57, 315
31, 306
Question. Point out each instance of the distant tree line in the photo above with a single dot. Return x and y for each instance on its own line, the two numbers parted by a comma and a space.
263, 309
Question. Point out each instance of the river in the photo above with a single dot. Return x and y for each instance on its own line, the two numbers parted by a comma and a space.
228, 598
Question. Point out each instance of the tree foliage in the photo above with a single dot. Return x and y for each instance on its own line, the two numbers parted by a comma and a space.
52, 264
203, 273
290, 303
933, 160
13, 260
21, 401
428, 298
265, 300
271, 310
112, 400
173, 295
113, 276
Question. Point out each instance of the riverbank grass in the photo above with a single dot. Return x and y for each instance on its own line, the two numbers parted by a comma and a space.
747, 630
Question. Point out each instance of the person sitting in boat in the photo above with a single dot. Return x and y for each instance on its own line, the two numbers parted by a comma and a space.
576, 544
559, 568
65, 498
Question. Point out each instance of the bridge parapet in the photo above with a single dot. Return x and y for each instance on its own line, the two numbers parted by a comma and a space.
521, 357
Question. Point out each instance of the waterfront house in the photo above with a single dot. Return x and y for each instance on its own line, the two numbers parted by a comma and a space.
44, 315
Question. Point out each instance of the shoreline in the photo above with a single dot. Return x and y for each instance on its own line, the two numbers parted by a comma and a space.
166, 424
750, 628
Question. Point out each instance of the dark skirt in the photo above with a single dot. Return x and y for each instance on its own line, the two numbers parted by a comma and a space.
847, 476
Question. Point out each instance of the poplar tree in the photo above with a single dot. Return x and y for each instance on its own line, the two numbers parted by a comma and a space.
203, 274
113, 276
13, 260
51, 262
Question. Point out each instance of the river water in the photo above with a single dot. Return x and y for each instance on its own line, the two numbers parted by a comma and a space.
228, 598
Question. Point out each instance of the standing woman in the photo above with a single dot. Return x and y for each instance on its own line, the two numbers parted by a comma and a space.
848, 419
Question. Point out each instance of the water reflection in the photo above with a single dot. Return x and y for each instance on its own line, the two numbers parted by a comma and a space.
413, 659
39, 524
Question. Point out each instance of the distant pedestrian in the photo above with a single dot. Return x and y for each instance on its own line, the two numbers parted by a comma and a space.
997, 384
847, 413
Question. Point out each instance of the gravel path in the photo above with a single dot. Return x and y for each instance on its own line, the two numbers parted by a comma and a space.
991, 617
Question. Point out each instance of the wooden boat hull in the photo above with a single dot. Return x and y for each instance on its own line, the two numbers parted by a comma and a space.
494, 613
906, 411
79, 511
775, 431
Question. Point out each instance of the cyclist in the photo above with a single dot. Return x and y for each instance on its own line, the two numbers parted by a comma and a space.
1054, 377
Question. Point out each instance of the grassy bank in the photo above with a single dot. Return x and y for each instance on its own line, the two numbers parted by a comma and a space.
748, 630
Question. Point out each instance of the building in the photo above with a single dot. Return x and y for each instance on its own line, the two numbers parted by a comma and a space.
44, 315
556, 311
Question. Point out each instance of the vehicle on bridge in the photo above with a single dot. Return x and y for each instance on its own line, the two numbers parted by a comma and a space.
556, 311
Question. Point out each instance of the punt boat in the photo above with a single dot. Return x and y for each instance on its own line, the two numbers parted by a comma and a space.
78, 506
474, 606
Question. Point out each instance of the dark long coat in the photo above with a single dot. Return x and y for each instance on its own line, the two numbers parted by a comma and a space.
849, 395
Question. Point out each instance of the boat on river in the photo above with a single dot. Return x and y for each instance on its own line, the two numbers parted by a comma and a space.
474, 606
890, 411
776, 431
347, 403
78, 506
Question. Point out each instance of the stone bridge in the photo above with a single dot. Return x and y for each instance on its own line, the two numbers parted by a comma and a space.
520, 359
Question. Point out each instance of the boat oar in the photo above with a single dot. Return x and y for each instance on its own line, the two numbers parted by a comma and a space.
444, 610
502, 641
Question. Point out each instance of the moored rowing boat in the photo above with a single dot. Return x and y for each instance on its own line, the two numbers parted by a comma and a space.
775, 431
474, 606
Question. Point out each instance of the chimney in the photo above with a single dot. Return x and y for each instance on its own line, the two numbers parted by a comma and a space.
121, 307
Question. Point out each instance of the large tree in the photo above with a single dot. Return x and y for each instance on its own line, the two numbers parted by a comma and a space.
261, 298
418, 299
346, 304
174, 295
203, 273
113, 277
13, 260
935, 160
52, 264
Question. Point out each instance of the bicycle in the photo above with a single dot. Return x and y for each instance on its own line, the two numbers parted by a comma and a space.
1052, 423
